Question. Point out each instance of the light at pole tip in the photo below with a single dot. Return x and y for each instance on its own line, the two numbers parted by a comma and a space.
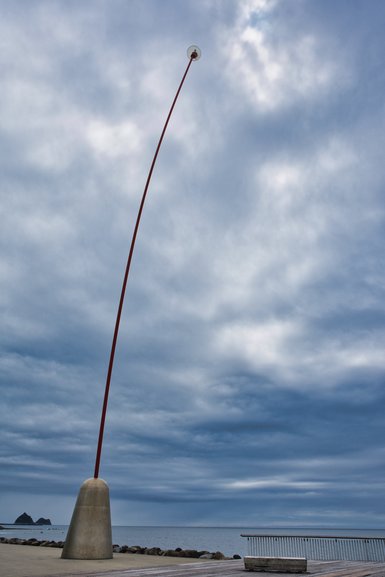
194, 52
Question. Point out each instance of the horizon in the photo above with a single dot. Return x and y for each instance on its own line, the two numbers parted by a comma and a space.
245, 527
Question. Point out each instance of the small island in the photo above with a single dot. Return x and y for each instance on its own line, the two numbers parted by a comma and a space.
43, 521
26, 519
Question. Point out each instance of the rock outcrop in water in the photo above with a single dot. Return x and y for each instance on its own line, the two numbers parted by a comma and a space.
43, 521
26, 519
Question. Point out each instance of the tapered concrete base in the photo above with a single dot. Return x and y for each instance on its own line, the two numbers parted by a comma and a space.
89, 534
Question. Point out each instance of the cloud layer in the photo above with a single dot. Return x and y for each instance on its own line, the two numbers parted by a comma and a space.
249, 378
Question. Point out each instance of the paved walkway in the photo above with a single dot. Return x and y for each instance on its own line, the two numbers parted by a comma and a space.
236, 569
26, 561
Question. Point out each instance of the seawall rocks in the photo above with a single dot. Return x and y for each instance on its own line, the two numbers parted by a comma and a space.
136, 549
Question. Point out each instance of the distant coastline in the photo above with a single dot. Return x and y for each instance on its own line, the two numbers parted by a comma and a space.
26, 519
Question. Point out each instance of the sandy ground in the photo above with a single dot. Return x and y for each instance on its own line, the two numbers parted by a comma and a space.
27, 561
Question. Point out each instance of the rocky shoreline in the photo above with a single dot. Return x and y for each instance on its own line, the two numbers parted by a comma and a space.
135, 549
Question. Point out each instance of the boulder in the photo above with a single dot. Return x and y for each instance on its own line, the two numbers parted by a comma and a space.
218, 556
24, 519
15, 541
153, 551
134, 549
192, 553
171, 553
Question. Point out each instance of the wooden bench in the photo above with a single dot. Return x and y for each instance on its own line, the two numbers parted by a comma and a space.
280, 564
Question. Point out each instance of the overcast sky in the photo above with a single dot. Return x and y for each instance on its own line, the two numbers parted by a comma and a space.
248, 386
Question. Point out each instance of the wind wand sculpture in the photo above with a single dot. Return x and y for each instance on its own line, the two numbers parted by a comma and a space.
89, 535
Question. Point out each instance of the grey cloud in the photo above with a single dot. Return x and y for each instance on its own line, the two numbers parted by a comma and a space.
249, 371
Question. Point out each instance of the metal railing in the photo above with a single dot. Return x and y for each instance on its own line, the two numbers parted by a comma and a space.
317, 548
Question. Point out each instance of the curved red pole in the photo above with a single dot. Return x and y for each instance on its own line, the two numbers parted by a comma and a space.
193, 56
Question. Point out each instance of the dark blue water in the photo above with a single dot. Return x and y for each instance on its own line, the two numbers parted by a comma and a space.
228, 540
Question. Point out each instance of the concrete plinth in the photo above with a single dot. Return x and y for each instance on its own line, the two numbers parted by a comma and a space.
89, 534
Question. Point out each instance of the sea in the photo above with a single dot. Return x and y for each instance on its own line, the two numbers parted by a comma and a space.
228, 540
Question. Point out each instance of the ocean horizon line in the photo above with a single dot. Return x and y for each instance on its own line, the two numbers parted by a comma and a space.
216, 526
